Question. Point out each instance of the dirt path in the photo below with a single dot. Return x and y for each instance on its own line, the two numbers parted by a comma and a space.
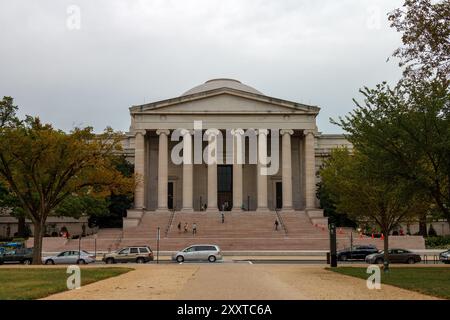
234, 281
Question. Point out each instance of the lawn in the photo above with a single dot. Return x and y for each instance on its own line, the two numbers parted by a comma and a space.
35, 283
433, 281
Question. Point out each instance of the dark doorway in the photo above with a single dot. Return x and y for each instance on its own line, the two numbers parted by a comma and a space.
225, 187
170, 195
279, 195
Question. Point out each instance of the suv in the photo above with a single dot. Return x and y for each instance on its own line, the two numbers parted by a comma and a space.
24, 256
200, 252
356, 252
141, 254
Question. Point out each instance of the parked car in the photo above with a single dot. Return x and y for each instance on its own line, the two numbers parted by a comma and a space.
395, 256
200, 252
445, 256
356, 252
24, 256
140, 254
70, 257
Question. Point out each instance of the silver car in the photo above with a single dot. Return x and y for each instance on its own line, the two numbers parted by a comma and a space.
445, 256
70, 257
199, 252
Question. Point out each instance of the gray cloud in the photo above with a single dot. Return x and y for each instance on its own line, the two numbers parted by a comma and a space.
131, 52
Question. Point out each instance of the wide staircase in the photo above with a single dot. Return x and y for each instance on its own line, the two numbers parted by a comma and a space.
240, 231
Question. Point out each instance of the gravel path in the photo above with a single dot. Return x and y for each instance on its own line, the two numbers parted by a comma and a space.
234, 281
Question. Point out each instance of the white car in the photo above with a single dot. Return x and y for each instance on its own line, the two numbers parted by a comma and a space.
70, 257
445, 256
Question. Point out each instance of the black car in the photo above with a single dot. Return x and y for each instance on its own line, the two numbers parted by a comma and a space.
24, 256
395, 256
356, 252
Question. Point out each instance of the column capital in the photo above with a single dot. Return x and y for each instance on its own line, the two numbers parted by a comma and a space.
307, 132
287, 131
212, 132
237, 132
262, 132
185, 132
163, 131
140, 132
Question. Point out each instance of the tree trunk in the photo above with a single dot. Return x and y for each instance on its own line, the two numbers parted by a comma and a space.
21, 227
37, 249
386, 251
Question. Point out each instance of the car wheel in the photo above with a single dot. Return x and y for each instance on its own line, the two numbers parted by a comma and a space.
140, 260
411, 261
343, 257
212, 259
379, 261
49, 261
110, 261
81, 261
26, 261
180, 259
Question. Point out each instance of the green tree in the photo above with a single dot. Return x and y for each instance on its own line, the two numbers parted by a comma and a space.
329, 208
355, 187
44, 168
406, 131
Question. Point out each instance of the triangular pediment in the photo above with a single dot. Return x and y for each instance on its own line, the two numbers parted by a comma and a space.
225, 101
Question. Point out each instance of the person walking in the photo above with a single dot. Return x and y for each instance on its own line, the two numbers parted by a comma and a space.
179, 227
186, 227
194, 229
276, 225
223, 217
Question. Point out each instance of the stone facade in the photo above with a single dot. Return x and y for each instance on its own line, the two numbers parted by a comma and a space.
229, 108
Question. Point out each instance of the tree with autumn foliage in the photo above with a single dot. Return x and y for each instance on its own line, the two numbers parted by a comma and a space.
45, 168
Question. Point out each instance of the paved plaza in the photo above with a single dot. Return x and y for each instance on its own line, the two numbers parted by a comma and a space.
228, 281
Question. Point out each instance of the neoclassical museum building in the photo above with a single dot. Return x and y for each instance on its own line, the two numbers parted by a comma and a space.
196, 152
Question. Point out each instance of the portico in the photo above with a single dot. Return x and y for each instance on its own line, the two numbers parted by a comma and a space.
224, 145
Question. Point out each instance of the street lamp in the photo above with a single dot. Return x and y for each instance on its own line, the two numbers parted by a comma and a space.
333, 245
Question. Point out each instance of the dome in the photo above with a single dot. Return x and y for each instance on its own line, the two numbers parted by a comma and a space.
221, 83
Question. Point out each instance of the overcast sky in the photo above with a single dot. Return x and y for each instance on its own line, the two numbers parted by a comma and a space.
317, 52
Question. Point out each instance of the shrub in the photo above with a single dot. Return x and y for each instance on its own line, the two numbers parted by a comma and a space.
438, 242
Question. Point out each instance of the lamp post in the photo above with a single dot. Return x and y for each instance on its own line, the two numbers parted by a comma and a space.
95, 246
333, 245
158, 236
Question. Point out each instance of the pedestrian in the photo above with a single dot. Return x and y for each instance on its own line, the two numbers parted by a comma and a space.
276, 225
223, 217
185, 227
194, 229
179, 227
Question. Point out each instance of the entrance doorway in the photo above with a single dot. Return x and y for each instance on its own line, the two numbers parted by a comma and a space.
279, 195
170, 195
225, 187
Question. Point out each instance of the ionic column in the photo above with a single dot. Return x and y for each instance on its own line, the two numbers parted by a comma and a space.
188, 171
286, 168
310, 170
163, 169
238, 161
261, 177
139, 169
212, 169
